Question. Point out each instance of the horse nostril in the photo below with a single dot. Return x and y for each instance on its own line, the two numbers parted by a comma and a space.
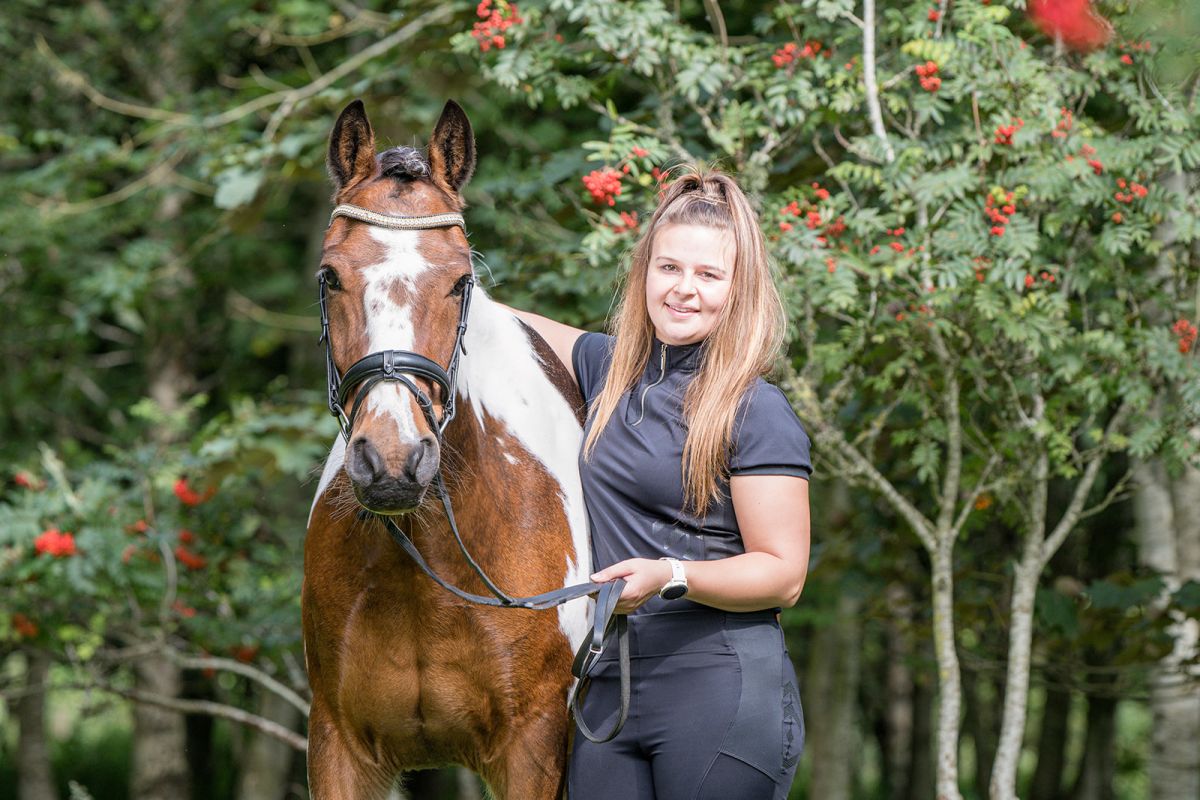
368, 460
413, 462
423, 450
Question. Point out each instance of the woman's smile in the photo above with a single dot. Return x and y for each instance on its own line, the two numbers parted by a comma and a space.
688, 281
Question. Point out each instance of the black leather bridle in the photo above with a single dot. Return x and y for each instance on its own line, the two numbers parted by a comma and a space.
401, 366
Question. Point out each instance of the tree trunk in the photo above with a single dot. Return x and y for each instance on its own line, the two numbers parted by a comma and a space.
980, 693
921, 770
35, 780
160, 770
898, 750
266, 761
831, 689
1020, 638
1168, 540
1052, 746
949, 680
1095, 780
1003, 785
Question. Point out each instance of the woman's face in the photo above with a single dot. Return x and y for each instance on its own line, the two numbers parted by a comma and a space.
688, 281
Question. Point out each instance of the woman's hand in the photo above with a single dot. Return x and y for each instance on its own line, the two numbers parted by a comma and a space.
643, 578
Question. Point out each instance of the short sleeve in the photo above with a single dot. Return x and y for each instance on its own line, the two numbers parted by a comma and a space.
590, 358
768, 436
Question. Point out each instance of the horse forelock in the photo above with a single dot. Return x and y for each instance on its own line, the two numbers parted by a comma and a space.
404, 163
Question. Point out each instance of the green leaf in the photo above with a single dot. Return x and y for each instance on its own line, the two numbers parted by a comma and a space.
237, 187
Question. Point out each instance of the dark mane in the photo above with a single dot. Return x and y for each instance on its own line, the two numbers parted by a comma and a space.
406, 163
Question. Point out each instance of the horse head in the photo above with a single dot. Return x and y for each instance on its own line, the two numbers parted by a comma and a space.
394, 291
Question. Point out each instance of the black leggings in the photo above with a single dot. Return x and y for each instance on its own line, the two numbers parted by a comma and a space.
714, 713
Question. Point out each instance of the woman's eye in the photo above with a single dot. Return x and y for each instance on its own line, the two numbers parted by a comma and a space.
329, 277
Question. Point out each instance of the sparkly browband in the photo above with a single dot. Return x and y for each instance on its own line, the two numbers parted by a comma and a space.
398, 222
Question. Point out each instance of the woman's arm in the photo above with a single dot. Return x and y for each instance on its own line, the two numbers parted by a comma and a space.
560, 337
772, 513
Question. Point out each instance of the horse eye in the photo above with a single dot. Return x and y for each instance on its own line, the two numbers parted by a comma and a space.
330, 277
460, 286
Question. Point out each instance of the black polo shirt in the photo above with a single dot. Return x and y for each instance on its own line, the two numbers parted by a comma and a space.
633, 482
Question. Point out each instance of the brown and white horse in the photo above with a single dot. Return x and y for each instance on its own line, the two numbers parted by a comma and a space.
404, 675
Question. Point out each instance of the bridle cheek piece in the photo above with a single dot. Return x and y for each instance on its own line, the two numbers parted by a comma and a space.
396, 366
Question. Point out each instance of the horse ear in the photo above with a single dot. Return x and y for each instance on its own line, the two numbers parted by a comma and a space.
351, 147
452, 149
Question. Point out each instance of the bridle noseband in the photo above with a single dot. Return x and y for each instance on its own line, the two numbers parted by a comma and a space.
400, 366
395, 365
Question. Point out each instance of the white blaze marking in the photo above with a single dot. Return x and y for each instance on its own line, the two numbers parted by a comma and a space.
390, 326
503, 374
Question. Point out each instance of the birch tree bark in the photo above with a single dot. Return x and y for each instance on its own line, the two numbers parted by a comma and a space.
1168, 527
35, 781
266, 762
1051, 749
900, 692
1037, 548
1167, 512
831, 692
159, 768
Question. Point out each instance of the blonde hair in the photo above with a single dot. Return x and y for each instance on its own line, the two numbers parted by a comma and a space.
743, 344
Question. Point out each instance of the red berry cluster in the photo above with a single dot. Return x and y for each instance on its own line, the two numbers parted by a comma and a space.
55, 543
1135, 190
1065, 120
1137, 47
981, 264
1030, 280
1087, 151
188, 558
629, 222
1004, 133
999, 217
490, 32
1186, 332
188, 496
24, 626
934, 14
27, 481
604, 185
792, 52
928, 73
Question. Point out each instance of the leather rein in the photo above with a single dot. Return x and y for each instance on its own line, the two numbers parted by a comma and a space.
401, 366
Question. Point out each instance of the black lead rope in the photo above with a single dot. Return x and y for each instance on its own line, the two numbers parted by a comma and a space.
587, 656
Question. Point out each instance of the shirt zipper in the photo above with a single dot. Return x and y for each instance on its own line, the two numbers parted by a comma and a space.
662, 373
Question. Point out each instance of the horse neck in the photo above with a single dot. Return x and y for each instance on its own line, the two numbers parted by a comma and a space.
519, 415
504, 385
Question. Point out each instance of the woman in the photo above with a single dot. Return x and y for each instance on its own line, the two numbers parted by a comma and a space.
695, 474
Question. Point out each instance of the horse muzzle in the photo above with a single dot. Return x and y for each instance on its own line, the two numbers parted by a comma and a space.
391, 485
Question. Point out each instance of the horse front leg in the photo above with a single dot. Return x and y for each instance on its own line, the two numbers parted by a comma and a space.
532, 765
335, 771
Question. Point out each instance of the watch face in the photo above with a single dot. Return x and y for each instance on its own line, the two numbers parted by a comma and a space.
674, 592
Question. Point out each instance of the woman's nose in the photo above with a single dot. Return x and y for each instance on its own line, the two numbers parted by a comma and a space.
684, 285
